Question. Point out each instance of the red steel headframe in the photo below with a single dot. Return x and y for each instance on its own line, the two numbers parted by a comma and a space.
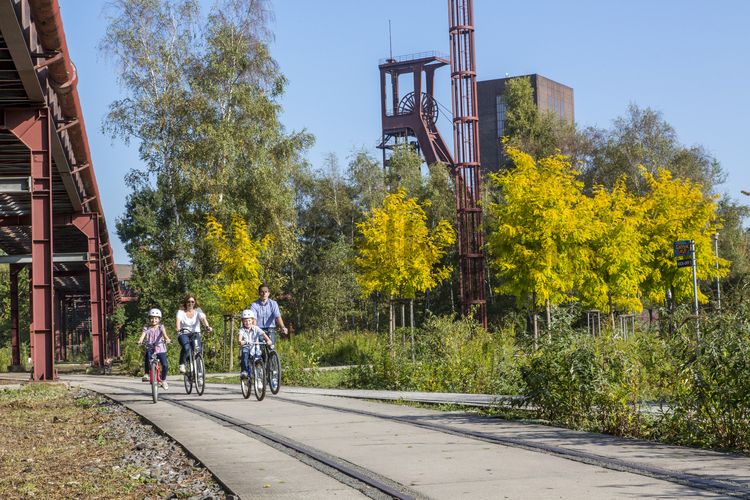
467, 173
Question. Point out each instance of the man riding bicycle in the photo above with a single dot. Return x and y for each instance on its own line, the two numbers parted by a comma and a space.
267, 313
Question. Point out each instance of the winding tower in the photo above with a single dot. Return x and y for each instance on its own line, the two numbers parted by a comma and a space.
411, 117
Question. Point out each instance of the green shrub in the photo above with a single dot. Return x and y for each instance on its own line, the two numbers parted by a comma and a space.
597, 383
449, 356
711, 402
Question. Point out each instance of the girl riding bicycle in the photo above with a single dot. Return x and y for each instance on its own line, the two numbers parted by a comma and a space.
249, 335
155, 335
190, 317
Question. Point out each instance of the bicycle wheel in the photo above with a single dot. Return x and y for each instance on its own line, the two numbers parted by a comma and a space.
200, 375
245, 386
259, 380
154, 375
187, 378
273, 369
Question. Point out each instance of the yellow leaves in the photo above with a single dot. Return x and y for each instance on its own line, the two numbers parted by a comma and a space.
397, 254
542, 221
238, 256
610, 248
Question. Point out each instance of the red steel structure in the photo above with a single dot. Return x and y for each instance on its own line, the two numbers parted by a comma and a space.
414, 116
467, 172
51, 216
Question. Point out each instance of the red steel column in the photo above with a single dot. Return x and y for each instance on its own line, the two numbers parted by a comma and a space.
88, 224
58, 333
32, 127
466, 156
15, 340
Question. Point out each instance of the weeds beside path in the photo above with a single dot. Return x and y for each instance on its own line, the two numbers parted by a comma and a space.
60, 442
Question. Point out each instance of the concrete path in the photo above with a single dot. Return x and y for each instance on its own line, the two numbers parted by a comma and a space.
422, 450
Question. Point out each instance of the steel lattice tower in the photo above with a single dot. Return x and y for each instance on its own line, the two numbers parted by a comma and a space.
466, 167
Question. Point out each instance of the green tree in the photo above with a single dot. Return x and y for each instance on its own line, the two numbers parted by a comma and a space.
538, 133
202, 100
643, 137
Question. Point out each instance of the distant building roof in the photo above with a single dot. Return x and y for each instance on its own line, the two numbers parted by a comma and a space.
124, 271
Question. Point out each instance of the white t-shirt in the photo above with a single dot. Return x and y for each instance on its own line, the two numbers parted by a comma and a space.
252, 334
193, 324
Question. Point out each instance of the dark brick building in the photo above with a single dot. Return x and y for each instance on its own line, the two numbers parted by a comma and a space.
548, 94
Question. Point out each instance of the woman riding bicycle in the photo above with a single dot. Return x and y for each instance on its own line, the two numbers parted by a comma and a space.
155, 336
189, 317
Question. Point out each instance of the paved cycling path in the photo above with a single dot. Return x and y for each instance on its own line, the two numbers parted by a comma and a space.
381, 438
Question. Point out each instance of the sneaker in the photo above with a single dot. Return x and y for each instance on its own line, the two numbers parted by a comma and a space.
145, 378
182, 368
243, 375
164, 385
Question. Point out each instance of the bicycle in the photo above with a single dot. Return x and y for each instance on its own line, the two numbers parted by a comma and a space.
154, 372
272, 365
255, 376
195, 369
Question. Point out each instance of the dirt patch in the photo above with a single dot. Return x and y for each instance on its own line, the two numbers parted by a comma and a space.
57, 442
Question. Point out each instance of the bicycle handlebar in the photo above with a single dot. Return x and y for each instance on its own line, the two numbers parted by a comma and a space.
151, 345
188, 331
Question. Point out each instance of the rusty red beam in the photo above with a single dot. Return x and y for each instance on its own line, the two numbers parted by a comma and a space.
466, 156
64, 79
33, 128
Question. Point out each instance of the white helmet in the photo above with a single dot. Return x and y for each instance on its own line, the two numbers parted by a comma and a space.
248, 313
154, 312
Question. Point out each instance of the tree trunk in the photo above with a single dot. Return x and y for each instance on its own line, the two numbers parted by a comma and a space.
534, 321
611, 312
411, 311
391, 321
403, 322
549, 318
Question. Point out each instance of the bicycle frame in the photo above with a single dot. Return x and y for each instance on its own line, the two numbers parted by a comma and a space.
195, 370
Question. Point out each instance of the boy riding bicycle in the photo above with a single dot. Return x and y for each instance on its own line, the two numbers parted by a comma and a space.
155, 335
249, 335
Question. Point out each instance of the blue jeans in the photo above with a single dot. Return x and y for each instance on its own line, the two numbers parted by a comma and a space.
245, 357
162, 359
271, 332
184, 340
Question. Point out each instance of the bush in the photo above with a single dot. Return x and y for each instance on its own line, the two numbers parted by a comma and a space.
711, 397
597, 383
449, 356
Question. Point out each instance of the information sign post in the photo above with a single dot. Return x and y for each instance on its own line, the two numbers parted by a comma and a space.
684, 251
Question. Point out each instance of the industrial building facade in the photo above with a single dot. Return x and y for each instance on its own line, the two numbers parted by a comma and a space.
549, 95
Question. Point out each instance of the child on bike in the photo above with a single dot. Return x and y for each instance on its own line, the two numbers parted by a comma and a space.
249, 335
155, 335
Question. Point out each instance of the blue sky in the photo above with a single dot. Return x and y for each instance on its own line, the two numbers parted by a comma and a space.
686, 58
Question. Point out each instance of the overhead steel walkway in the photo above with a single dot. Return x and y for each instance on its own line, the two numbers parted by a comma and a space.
51, 216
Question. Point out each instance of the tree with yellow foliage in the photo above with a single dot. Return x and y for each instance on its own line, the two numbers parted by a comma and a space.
677, 209
238, 255
540, 224
616, 267
397, 254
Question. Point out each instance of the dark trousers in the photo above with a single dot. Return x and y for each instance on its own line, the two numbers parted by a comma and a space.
162, 359
184, 341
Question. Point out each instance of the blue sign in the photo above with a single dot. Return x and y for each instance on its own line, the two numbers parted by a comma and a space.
684, 262
682, 248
